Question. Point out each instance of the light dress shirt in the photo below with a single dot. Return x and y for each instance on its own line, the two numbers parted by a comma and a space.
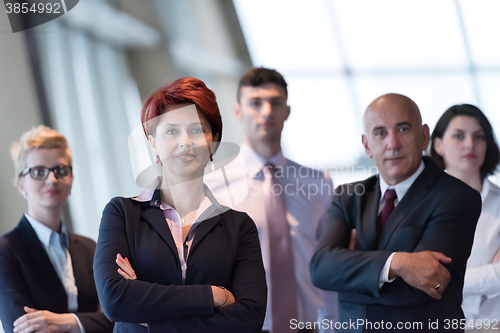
401, 189
306, 215
57, 245
208, 205
482, 278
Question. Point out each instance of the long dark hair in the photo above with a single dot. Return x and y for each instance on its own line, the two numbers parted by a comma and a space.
492, 156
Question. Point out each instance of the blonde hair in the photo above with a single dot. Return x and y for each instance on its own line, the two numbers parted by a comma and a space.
38, 137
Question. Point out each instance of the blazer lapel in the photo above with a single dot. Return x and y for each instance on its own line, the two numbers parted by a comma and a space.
154, 216
368, 239
81, 269
204, 228
42, 261
417, 191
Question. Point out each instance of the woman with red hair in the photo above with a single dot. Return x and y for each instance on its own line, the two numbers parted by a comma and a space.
197, 265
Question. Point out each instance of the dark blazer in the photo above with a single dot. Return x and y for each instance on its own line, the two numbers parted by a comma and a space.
225, 252
438, 213
27, 278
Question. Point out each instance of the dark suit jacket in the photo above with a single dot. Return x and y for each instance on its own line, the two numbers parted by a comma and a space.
27, 278
438, 213
225, 252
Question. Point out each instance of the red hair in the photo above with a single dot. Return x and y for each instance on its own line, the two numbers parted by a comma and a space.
185, 90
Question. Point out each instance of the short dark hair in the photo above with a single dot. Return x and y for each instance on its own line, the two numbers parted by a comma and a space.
259, 76
185, 90
492, 156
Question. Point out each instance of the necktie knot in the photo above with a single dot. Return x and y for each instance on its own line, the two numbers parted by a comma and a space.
390, 195
269, 169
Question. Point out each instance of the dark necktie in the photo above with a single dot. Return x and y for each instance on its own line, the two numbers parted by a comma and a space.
389, 197
283, 283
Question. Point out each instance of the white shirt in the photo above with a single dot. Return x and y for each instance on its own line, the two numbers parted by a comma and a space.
482, 278
57, 245
401, 189
306, 215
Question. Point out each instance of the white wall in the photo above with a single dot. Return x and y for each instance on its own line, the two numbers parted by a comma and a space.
18, 113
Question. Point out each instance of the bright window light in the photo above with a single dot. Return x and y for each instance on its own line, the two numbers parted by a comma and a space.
339, 55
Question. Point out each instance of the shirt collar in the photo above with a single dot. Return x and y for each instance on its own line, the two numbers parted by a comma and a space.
44, 233
401, 188
148, 193
152, 194
257, 162
486, 188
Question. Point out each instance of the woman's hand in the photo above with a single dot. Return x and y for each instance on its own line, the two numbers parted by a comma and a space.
45, 322
496, 258
352, 240
125, 269
222, 297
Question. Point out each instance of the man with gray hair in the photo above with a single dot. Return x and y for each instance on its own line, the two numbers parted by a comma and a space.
414, 230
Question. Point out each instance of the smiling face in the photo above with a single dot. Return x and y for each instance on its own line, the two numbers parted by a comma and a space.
182, 142
463, 146
394, 137
263, 111
48, 194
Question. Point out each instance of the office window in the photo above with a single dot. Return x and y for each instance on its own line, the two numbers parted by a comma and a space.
339, 55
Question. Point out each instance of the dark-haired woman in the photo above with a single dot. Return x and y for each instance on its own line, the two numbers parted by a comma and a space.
197, 265
464, 144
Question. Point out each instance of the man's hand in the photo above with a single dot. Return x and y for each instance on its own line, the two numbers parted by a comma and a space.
422, 270
45, 322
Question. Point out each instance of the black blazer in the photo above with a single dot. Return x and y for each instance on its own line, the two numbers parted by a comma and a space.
225, 252
27, 278
438, 213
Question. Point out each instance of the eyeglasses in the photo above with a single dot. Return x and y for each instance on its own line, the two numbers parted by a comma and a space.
42, 172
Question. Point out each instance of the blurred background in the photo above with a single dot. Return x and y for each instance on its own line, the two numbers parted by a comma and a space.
87, 73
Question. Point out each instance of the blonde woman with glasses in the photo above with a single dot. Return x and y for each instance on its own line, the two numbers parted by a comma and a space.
46, 277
